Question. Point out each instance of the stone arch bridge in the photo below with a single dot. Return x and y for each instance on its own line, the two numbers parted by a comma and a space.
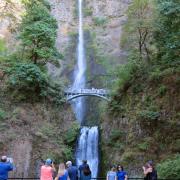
75, 93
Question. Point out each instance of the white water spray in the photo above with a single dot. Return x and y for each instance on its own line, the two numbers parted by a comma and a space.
88, 149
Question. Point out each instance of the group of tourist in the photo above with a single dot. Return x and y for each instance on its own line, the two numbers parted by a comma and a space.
118, 173
69, 172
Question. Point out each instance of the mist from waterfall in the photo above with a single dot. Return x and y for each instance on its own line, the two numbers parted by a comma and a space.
88, 141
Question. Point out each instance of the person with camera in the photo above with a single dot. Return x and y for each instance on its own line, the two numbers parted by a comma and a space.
149, 171
5, 167
47, 170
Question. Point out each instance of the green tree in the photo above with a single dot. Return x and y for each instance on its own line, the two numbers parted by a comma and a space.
167, 31
38, 32
138, 29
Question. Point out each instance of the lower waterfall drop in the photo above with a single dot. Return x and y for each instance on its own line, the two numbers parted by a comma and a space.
88, 149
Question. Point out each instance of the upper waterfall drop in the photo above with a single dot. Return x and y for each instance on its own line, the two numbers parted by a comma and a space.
79, 73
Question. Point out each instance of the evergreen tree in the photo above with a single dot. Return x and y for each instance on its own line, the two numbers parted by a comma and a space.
38, 32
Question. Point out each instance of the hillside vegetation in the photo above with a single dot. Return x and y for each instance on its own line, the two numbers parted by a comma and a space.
144, 110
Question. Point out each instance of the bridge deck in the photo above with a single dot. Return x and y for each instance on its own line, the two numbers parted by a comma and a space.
75, 93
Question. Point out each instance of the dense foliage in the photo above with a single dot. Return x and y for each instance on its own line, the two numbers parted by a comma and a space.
146, 92
38, 32
167, 31
170, 168
27, 78
153, 38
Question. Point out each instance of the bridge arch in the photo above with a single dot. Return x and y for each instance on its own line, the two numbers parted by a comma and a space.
69, 98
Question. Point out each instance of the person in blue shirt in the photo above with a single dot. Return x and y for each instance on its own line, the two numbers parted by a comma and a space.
72, 171
5, 167
121, 174
112, 175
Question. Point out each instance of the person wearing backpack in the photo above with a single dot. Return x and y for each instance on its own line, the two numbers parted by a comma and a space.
81, 167
86, 173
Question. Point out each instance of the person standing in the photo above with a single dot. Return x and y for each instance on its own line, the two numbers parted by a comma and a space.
111, 175
149, 171
121, 174
86, 173
62, 173
5, 167
47, 170
72, 171
81, 167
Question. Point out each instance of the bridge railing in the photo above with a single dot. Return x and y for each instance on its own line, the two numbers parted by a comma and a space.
98, 91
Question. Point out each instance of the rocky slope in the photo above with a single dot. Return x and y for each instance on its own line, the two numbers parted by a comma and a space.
33, 131
144, 122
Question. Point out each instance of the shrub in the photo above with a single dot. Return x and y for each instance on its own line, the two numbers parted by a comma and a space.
162, 90
71, 134
2, 46
143, 146
169, 168
156, 75
116, 134
27, 78
127, 72
116, 138
87, 12
100, 21
68, 153
2, 114
149, 115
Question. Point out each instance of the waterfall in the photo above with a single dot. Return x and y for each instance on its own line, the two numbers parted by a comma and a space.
88, 141
88, 149
79, 73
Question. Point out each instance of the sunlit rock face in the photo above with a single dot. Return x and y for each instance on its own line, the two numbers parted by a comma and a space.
10, 18
108, 35
63, 11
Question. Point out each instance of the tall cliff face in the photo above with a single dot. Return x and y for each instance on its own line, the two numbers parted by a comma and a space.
113, 11
103, 21
10, 17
